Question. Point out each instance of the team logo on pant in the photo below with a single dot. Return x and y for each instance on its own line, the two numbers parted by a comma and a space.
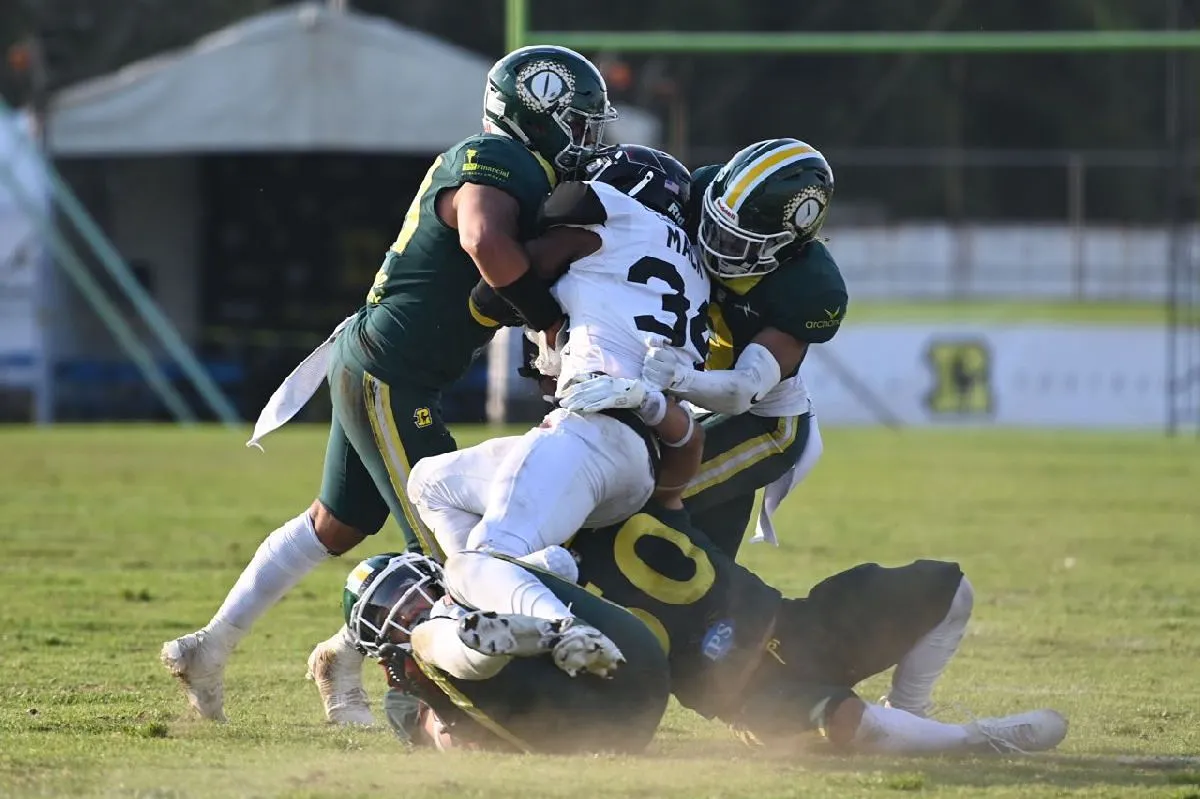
422, 417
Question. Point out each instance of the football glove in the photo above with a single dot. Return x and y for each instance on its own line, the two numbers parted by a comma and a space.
664, 369
602, 392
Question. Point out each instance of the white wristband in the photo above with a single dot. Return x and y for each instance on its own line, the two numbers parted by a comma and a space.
686, 436
653, 408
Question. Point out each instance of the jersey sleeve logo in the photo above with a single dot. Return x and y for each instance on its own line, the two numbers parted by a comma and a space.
473, 167
833, 318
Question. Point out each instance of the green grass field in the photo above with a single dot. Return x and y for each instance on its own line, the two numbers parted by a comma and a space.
1082, 548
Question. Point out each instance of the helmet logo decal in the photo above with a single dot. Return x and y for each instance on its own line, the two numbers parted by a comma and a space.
543, 85
805, 210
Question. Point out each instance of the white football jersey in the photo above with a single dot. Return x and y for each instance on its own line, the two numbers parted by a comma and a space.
643, 288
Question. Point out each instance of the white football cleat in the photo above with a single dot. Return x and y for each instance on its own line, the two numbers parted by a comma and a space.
197, 660
582, 647
335, 665
509, 633
1034, 731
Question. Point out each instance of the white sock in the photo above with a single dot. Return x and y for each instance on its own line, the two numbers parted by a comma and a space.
912, 682
481, 581
556, 560
886, 730
280, 562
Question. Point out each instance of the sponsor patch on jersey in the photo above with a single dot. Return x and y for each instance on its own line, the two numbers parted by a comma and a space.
718, 640
471, 166
833, 319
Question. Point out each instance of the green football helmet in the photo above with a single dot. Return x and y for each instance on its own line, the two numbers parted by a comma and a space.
770, 199
552, 100
386, 596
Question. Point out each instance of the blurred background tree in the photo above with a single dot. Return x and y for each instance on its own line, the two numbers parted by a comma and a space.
1088, 101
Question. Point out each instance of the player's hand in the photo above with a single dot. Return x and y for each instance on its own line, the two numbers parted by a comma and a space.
602, 392
663, 369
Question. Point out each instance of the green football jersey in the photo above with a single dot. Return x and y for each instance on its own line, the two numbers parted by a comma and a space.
805, 297
712, 616
531, 705
418, 325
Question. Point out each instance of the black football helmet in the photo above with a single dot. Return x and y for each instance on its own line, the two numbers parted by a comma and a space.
652, 177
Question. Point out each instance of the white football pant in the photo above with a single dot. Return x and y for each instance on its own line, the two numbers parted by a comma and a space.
520, 494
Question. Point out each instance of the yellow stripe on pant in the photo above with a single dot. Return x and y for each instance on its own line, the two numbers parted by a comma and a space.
744, 456
464, 703
378, 398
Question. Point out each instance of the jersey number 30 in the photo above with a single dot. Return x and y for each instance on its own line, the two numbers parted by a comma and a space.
680, 329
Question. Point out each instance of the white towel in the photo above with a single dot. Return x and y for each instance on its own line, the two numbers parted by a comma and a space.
773, 496
296, 389
776, 492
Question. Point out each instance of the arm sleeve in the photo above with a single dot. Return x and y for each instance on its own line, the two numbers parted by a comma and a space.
734, 390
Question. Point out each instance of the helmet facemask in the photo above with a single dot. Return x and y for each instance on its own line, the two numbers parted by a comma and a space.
395, 602
728, 250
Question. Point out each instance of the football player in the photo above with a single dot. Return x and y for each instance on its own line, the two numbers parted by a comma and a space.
631, 285
776, 291
447, 688
545, 110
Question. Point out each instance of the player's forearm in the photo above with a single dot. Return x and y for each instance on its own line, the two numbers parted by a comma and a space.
500, 258
505, 268
681, 455
734, 390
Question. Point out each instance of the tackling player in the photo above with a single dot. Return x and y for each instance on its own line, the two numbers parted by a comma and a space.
776, 291
545, 109
631, 284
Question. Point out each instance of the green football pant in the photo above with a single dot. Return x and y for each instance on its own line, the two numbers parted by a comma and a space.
742, 454
379, 431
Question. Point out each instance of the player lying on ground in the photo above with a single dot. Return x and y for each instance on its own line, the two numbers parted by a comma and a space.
545, 109
775, 667
502, 681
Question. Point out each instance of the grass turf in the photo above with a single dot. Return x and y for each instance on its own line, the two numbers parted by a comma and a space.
1082, 549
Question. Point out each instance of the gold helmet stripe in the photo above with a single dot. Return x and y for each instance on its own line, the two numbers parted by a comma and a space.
763, 167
